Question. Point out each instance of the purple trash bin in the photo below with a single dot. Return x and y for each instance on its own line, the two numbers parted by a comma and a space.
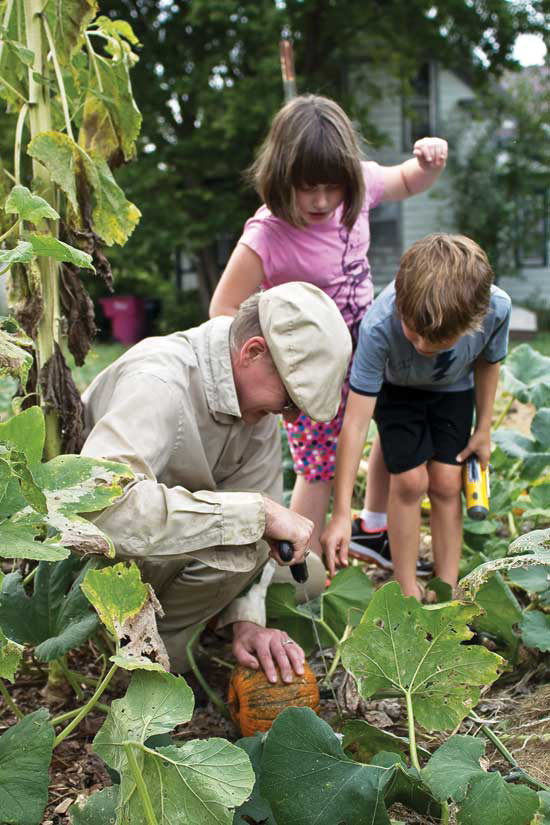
127, 316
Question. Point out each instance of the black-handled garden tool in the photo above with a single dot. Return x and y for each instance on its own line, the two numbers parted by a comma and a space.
299, 571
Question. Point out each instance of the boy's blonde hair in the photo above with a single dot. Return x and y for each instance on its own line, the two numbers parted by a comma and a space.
443, 287
311, 141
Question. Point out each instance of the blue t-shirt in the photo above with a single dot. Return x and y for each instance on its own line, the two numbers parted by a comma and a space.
385, 354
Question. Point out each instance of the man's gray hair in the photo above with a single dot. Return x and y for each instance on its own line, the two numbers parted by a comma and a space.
246, 323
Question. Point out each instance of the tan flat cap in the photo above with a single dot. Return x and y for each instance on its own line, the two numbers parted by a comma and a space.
310, 345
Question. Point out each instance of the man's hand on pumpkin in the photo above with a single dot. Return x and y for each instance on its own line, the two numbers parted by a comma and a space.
266, 647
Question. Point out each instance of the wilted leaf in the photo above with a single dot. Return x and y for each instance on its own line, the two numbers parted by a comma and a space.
68, 21
25, 755
10, 656
117, 593
14, 360
56, 618
308, 779
483, 798
535, 630
30, 207
78, 484
143, 647
400, 645
49, 246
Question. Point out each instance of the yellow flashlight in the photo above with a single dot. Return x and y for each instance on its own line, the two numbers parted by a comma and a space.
475, 482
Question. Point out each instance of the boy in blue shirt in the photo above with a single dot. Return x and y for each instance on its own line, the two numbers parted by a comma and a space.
429, 352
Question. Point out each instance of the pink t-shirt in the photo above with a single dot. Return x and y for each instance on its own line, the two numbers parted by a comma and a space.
327, 254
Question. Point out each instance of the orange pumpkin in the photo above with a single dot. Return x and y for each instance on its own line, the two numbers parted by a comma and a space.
254, 703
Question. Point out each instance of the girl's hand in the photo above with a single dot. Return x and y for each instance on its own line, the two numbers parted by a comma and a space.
335, 542
431, 152
480, 444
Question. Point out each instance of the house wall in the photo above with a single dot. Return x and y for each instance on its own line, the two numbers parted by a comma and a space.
396, 226
530, 288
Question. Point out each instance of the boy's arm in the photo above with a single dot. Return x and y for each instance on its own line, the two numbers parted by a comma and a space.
418, 173
335, 538
485, 383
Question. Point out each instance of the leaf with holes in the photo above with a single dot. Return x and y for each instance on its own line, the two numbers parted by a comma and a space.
402, 646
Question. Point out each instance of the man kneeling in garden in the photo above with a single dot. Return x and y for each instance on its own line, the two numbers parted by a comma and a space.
194, 414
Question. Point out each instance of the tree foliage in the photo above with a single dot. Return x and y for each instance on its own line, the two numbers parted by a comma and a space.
208, 83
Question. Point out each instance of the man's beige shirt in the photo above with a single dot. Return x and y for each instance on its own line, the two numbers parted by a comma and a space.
168, 408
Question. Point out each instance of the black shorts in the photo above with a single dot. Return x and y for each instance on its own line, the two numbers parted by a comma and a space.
418, 425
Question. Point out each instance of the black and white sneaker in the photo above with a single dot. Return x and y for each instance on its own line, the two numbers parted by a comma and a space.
375, 547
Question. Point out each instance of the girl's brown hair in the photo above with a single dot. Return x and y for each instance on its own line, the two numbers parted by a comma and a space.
443, 287
311, 141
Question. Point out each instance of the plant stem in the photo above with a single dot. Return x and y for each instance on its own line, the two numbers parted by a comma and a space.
503, 414
93, 61
5, 23
87, 707
444, 813
338, 654
70, 714
70, 677
212, 695
28, 579
140, 784
9, 701
503, 750
412, 733
10, 230
18, 141
59, 78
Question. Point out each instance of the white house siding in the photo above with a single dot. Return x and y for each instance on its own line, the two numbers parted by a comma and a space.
422, 214
530, 288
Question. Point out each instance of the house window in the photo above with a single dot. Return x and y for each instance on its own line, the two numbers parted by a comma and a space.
419, 107
533, 229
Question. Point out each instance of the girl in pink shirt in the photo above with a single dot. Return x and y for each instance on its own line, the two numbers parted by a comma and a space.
314, 227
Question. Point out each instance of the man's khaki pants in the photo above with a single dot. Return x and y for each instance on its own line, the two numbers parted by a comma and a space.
197, 592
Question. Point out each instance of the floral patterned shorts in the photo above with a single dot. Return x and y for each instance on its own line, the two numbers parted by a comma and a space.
313, 443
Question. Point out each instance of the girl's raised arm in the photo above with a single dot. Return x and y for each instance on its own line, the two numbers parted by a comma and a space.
240, 279
418, 173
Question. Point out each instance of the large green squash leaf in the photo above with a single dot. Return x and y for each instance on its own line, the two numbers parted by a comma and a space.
10, 656
364, 741
308, 779
20, 254
483, 798
501, 614
96, 809
257, 809
534, 453
406, 787
526, 375
196, 784
56, 618
342, 603
25, 755
51, 247
535, 630
535, 579
400, 645
21, 541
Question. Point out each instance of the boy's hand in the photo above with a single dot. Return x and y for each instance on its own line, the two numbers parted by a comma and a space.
335, 542
480, 444
431, 152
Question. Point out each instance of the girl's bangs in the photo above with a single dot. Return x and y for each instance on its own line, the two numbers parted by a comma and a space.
319, 161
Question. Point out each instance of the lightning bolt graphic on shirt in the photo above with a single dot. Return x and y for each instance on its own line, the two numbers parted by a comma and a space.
442, 365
